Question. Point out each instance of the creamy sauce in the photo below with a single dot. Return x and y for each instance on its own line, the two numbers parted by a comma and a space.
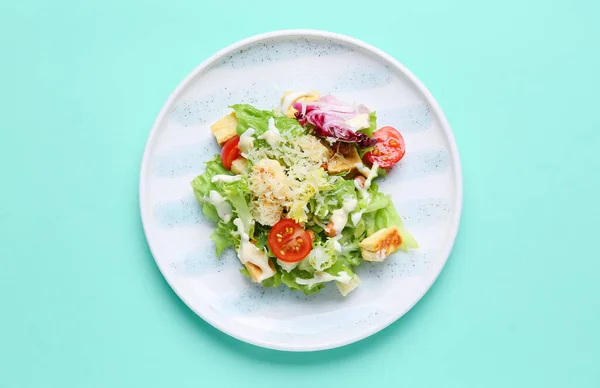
321, 277
225, 178
287, 266
290, 98
247, 140
370, 174
248, 253
339, 217
337, 246
222, 206
359, 121
356, 217
272, 136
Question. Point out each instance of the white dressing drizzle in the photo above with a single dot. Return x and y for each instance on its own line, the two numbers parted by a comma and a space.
247, 140
223, 207
322, 277
248, 253
226, 178
272, 136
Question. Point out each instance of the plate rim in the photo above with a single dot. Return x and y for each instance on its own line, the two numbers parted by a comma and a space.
300, 33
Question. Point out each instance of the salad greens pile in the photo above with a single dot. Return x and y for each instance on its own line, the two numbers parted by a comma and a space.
302, 190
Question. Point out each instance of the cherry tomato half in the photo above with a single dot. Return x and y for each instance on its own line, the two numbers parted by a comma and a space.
389, 148
230, 152
289, 242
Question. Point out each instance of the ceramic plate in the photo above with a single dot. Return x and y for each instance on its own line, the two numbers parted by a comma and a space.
426, 187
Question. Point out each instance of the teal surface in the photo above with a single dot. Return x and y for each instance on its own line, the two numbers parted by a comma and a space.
82, 303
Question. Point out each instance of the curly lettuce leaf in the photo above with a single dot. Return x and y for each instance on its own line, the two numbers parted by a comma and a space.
222, 237
233, 192
236, 194
341, 265
249, 117
202, 184
373, 125
385, 218
325, 202
289, 279
369, 132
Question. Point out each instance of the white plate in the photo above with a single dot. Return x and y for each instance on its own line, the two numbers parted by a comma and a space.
426, 188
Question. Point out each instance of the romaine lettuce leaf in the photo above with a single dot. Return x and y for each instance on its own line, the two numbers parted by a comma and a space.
202, 184
289, 279
249, 117
385, 218
233, 192
236, 194
222, 237
373, 121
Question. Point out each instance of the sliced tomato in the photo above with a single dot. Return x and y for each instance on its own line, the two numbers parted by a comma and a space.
289, 242
230, 152
389, 148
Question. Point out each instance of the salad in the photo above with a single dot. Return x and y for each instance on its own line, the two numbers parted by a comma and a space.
294, 191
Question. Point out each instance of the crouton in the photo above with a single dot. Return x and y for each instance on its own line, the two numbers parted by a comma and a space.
313, 95
380, 244
345, 289
239, 166
270, 185
344, 160
255, 271
225, 128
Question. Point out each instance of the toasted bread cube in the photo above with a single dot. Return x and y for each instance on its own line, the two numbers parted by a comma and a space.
266, 212
256, 272
350, 152
344, 160
345, 289
338, 164
291, 112
239, 166
380, 244
225, 128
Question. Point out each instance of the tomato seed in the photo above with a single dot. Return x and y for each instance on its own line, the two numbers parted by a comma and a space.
393, 143
282, 253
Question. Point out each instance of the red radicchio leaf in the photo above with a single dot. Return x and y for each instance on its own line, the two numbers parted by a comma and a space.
329, 117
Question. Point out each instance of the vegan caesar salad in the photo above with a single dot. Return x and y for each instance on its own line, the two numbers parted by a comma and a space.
294, 191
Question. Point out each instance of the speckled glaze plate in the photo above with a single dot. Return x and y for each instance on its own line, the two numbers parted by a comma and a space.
426, 188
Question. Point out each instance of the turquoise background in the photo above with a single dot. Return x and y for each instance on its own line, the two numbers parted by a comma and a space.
82, 303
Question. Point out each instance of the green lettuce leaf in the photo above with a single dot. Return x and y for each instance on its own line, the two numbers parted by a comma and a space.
222, 237
373, 127
289, 279
249, 117
341, 265
369, 132
233, 192
237, 194
378, 199
385, 218
202, 184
